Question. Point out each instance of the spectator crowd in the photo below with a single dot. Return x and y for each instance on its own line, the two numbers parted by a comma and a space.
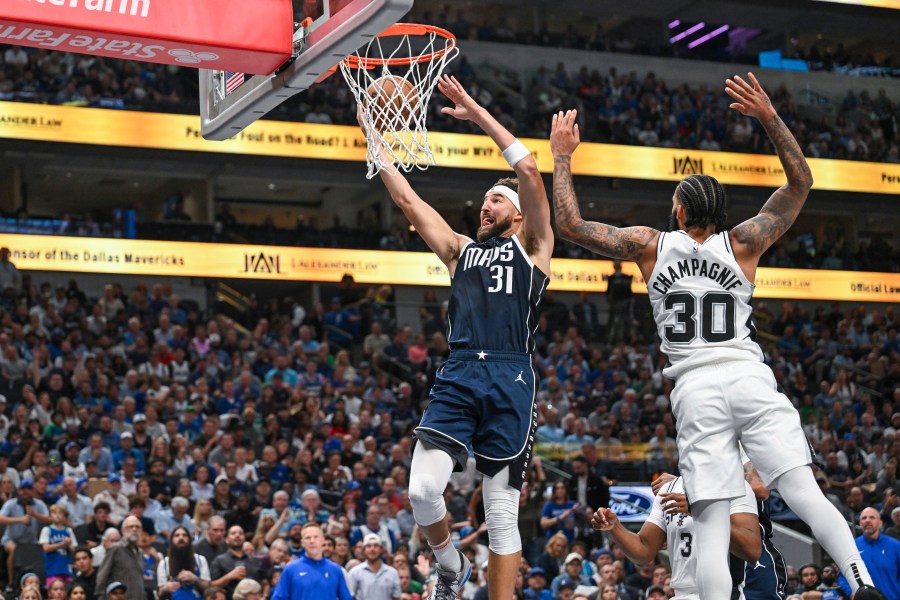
148, 443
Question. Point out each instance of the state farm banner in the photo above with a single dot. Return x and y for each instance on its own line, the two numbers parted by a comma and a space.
233, 35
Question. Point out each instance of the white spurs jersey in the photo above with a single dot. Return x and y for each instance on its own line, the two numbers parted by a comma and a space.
701, 303
681, 539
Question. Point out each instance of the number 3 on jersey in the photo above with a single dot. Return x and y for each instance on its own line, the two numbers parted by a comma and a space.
716, 317
503, 277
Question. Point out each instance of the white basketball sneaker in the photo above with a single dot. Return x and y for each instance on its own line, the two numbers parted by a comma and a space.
450, 582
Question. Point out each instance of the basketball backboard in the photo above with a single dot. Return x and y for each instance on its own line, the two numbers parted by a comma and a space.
330, 30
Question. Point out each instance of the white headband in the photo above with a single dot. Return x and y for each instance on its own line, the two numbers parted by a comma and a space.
508, 193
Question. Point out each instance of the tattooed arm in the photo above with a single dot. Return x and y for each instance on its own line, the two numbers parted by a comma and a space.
629, 243
754, 236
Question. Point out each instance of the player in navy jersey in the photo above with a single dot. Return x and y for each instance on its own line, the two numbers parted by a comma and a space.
766, 578
483, 398
700, 283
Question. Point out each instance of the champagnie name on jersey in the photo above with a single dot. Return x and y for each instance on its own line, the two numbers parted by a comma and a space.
695, 267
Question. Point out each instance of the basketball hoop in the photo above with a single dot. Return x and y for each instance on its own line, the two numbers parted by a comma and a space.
392, 79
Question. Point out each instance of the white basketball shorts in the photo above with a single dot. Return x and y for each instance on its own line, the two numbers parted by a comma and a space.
717, 405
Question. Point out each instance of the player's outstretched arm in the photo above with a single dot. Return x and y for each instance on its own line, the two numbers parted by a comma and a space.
754, 236
629, 243
442, 240
538, 234
640, 547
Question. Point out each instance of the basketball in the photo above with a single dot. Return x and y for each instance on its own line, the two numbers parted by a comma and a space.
397, 103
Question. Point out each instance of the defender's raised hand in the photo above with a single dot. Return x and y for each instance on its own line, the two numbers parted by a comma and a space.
564, 134
660, 481
465, 106
752, 100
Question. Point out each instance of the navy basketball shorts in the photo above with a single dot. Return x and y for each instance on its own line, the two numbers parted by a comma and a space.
486, 402
766, 579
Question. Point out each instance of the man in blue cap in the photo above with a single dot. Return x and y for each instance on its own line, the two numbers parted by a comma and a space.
116, 591
118, 502
537, 585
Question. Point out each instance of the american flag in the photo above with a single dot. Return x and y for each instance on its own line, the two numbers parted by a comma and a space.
233, 81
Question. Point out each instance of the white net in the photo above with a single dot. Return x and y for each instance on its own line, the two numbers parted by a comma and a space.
392, 79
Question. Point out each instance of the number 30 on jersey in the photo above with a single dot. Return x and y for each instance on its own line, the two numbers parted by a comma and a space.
716, 317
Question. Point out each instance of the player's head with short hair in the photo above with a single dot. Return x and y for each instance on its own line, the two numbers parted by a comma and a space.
510, 182
500, 211
703, 201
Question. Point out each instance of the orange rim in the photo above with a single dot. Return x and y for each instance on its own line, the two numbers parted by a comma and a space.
413, 29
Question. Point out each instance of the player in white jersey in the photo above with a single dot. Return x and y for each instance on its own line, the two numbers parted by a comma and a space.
699, 280
668, 526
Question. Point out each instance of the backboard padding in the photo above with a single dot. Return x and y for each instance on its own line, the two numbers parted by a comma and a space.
326, 42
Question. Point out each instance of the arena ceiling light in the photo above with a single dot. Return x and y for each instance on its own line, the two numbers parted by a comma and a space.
709, 36
690, 30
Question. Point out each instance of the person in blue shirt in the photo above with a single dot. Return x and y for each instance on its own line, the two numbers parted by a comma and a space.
128, 450
312, 577
881, 553
58, 542
550, 432
560, 513
54, 476
227, 401
96, 451
537, 585
282, 367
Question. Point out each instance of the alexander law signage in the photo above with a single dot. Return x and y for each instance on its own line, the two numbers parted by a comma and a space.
288, 263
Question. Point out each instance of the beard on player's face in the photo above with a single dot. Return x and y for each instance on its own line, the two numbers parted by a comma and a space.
492, 226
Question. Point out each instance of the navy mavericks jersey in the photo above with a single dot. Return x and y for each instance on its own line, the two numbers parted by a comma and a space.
766, 579
494, 297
